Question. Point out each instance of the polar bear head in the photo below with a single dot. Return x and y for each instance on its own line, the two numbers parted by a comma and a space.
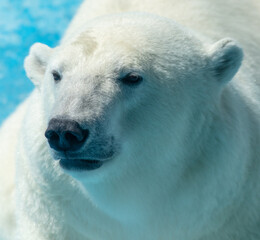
129, 94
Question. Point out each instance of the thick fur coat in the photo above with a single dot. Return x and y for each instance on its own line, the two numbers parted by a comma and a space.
169, 94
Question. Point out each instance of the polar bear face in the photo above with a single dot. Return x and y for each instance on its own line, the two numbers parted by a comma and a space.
128, 94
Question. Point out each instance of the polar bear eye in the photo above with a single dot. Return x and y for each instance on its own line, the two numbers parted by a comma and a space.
132, 79
56, 76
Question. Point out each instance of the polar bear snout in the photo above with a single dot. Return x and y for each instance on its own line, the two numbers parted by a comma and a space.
65, 134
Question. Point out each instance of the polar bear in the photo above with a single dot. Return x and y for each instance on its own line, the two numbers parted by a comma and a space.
139, 127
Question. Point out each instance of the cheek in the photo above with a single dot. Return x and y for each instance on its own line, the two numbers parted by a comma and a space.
149, 116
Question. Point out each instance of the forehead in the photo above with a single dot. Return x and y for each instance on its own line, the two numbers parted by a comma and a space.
100, 54
129, 43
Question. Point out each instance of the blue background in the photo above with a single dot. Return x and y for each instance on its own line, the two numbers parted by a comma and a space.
22, 23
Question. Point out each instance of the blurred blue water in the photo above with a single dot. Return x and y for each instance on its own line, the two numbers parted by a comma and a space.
23, 22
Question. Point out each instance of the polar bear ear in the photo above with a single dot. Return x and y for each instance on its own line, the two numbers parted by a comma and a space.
225, 59
35, 63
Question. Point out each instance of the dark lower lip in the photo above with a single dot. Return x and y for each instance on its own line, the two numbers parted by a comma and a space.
80, 164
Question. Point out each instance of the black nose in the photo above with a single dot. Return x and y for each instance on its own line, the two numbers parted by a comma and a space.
65, 135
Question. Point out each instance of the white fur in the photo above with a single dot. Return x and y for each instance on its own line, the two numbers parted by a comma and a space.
187, 163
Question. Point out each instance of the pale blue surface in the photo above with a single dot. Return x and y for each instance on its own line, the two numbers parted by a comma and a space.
22, 23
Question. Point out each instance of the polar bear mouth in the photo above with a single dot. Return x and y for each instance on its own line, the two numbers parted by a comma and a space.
80, 164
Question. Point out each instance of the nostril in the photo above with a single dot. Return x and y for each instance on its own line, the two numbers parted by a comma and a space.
51, 135
71, 138
55, 136
76, 136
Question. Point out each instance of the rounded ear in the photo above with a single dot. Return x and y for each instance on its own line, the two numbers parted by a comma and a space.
225, 59
35, 63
